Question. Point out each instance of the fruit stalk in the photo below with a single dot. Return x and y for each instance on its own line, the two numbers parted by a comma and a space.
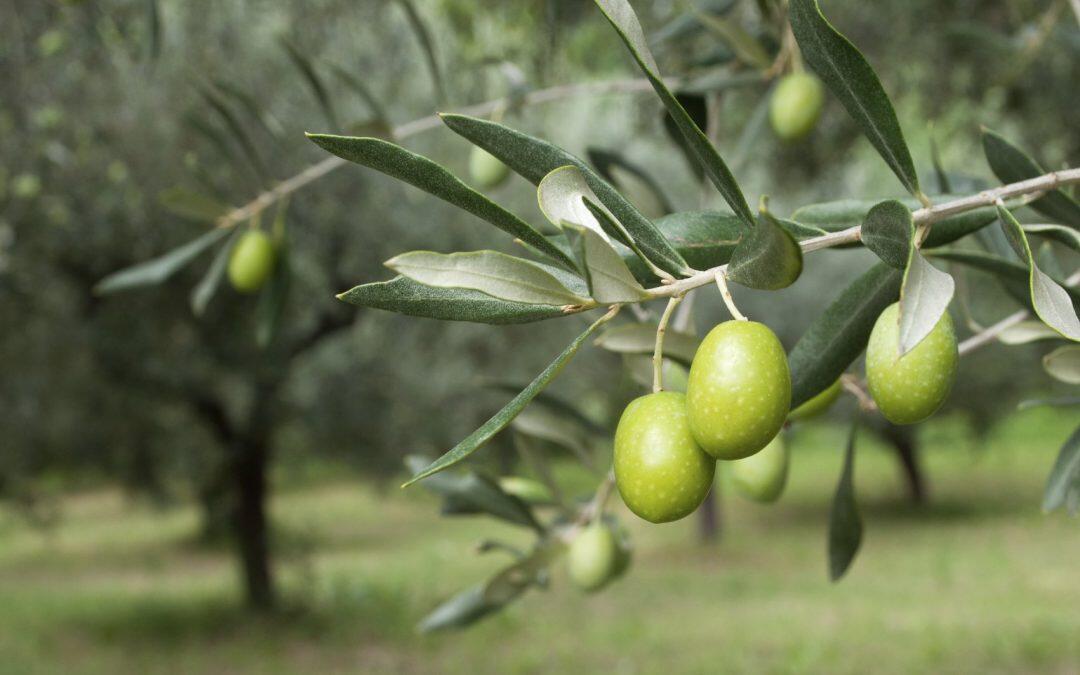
658, 352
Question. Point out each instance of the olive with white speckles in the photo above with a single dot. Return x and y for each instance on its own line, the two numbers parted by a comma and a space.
661, 473
910, 388
762, 476
739, 392
593, 557
817, 405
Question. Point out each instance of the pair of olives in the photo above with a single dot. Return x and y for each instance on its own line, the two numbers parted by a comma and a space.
737, 398
252, 261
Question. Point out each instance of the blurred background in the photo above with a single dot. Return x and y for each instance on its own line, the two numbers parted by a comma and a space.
175, 497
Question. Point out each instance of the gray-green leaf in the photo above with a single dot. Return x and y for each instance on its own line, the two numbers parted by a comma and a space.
609, 279
622, 17
1027, 331
497, 274
851, 80
208, 285
845, 525
159, 269
1011, 164
1058, 233
1064, 364
511, 410
470, 492
888, 231
768, 258
924, 297
421, 172
1064, 478
193, 205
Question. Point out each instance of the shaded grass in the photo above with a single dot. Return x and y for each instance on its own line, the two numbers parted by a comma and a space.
977, 581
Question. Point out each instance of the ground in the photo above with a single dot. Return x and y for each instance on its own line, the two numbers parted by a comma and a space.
978, 582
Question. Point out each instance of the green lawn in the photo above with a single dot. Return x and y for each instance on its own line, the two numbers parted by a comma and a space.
978, 582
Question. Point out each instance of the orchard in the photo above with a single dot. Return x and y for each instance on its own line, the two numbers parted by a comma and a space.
753, 236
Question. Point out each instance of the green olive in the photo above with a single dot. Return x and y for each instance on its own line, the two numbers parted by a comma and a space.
796, 106
762, 476
739, 392
593, 557
910, 388
660, 471
818, 404
252, 261
526, 489
486, 169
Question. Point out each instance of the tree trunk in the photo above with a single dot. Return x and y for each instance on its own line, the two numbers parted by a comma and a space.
903, 441
708, 517
250, 525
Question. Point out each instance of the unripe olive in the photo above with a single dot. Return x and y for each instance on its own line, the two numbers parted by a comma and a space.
252, 261
661, 473
739, 392
910, 388
525, 489
796, 105
818, 404
762, 476
486, 169
593, 556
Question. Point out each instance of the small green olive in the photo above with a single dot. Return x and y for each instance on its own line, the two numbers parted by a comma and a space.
526, 489
910, 388
762, 476
252, 261
739, 392
796, 106
487, 170
661, 473
593, 557
818, 404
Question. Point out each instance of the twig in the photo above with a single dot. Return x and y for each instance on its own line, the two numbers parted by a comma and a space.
320, 169
725, 293
658, 351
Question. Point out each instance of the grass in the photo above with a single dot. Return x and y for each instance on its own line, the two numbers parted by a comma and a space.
978, 582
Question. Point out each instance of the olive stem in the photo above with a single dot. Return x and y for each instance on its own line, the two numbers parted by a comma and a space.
595, 509
854, 387
658, 352
725, 293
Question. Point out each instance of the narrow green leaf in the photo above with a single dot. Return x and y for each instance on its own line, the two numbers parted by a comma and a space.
544, 424
561, 196
1026, 332
1051, 302
745, 46
889, 231
311, 76
423, 35
192, 205
159, 269
839, 334
1064, 364
845, 524
625, 21
563, 408
609, 279
405, 296
1064, 479
463, 609
851, 80
421, 172
1058, 233
208, 285
361, 88
1016, 278
642, 189
534, 159
924, 298
1011, 164
640, 338
497, 274
469, 492
768, 258
939, 168
502, 418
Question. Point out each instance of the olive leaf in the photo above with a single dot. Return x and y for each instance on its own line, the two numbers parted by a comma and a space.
1014, 276
272, 298
625, 21
742, 43
421, 172
640, 338
1027, 331
315, 83
534, 159
501, 419
1063, 483
405, 296
545, 424
1064, 364
192, 205
468, 492
562, 194
632, 179
845, 524
851, 80
497, 274
889, 231
208, 285
768, 258
1058, 233
608, 277
1051, 302
160, 269
839, 334
1011, 164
